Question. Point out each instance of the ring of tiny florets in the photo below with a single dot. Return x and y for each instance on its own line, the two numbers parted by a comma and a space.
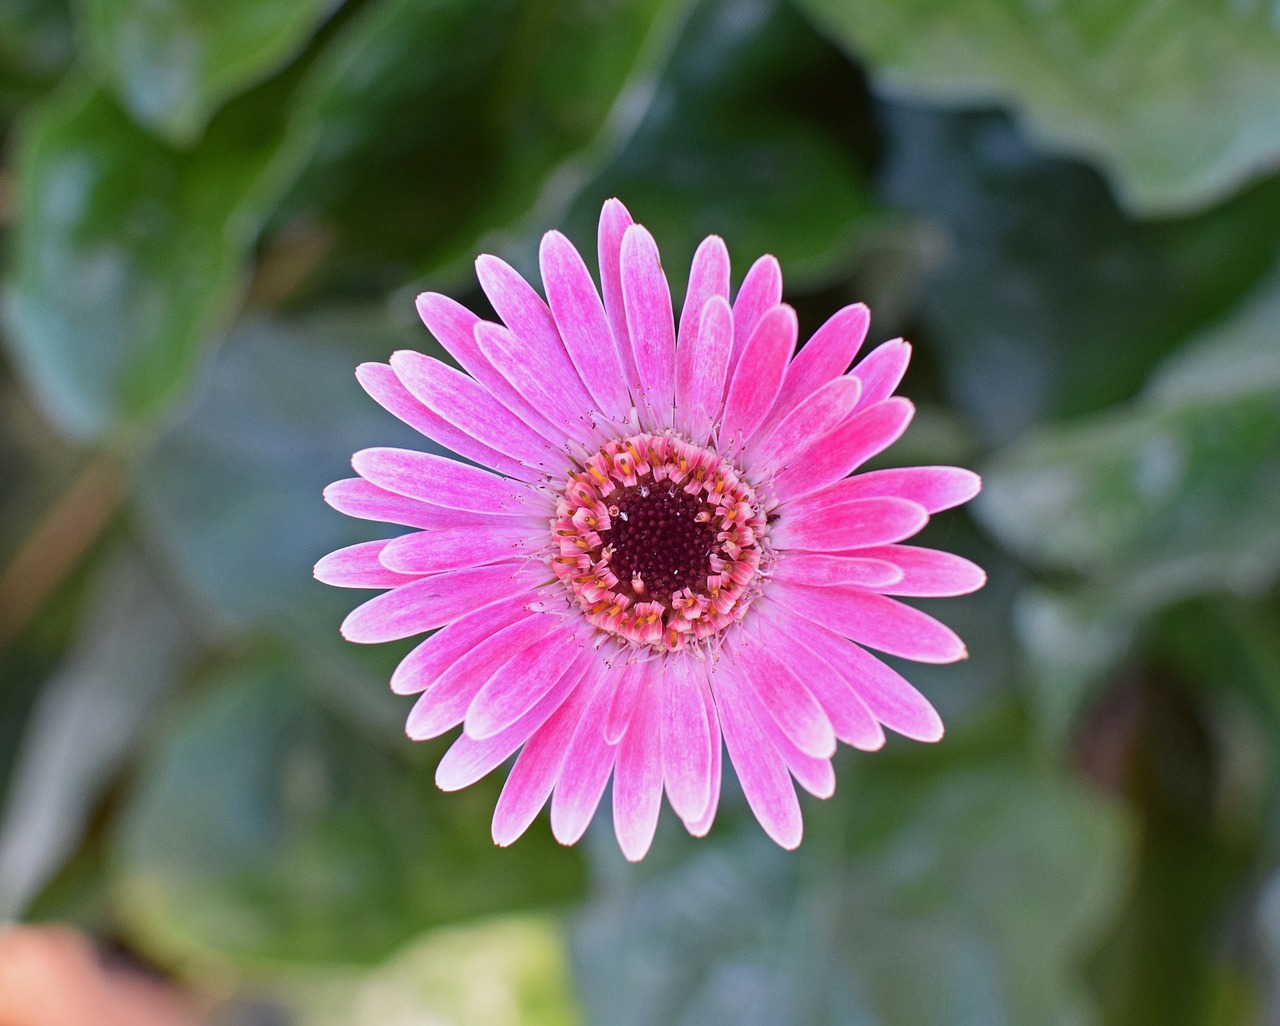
659, 541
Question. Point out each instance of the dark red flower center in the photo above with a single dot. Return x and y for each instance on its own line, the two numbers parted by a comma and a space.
662, 539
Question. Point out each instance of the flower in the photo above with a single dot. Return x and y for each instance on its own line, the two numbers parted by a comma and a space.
664, 542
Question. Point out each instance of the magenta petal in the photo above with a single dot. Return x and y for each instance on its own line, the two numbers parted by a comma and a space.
445, 703
928, 573
824, 571
358, 566
835, 455
614, 222
467, 406
686, 742
357, 497
709, 363
451, 548
583, 324
430, 603
538, 766
761, 770
819, 414
850, 525
516, 689
874, 621
755, 383
421, 667
588, 763
784, 695
538, 380
761, 291
381, 382
935, 488
637, 779
823, 358
888, 695
647, 299
881, 371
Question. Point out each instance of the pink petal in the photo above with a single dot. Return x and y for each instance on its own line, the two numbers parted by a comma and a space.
530, 320
614, 222
761, 291
357, 566
813, 774
889, 697
445, 482
537, 379
583, 325
790, 704
851, 719
455, 326
928, 573
629, 683
935, 488
445, 703
819, 414
539, 764
761, 770
874, 621
588, 763
637, 779
708, 276
465, 405
451, 548
468, 759
517, 687
430, 603
381, 382
357, 497
881, 371
824, 357
850, 525
421, 667
824, 571
709, 363
647, 299
686, 742
755, 383
840, 452
700, 826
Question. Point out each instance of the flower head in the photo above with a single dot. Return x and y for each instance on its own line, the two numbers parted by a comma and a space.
663, 541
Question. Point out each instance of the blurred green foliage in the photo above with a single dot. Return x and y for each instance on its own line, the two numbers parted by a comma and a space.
211, 213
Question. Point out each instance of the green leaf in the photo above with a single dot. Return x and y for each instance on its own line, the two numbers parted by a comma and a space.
1042, 300
36, 45
131, 651
130, 256
1172, 496
174, 63
728, 146
1175, 101
233, 492
264, 832
961, 897
460, 111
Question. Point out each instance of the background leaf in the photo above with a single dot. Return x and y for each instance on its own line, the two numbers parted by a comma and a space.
1175, 101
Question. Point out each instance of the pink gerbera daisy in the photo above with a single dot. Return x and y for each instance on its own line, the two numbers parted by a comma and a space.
660, 541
